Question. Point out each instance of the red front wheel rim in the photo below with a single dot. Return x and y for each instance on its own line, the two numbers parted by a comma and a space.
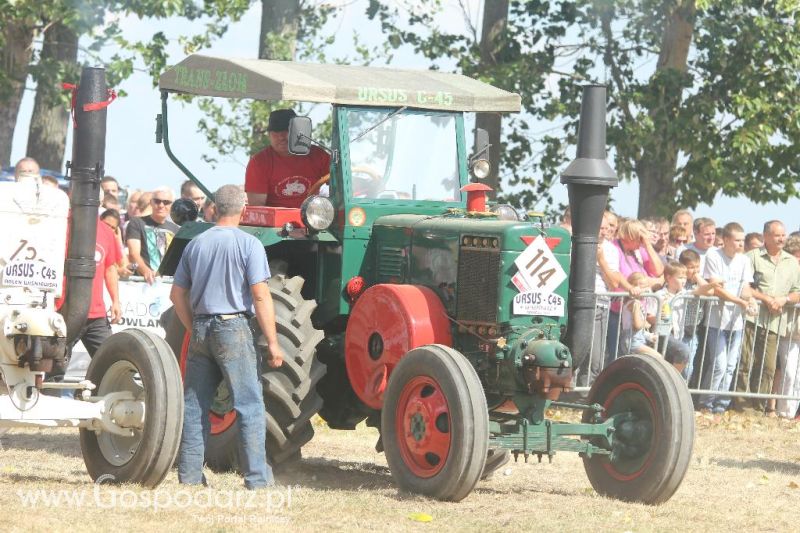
633, 397
422, 426
219, 422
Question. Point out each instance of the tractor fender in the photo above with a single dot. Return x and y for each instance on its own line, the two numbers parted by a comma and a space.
387, 321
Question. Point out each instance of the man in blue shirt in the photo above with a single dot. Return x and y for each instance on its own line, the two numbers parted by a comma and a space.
220, 282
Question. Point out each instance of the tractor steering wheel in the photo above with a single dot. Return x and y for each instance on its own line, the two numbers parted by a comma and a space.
366, 181
314, 189
369, 171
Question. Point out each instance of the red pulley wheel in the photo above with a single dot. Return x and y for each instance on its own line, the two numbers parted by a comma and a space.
386, 322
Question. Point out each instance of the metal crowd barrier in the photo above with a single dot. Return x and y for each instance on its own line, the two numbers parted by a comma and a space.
746, 354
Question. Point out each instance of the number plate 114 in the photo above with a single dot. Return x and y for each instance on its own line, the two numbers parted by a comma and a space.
539, 268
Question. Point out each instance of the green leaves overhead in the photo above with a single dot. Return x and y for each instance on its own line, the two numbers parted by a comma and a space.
702, 95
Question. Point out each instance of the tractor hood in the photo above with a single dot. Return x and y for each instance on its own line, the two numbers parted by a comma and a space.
472, 263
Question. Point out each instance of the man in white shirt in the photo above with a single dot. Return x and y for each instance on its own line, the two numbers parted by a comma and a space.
732, 270
705, 233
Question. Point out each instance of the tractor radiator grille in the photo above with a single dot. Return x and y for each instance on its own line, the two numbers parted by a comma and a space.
390, 263
478, 272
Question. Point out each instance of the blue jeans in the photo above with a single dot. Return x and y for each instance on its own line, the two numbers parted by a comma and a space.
723, 349
223, 349
691, 342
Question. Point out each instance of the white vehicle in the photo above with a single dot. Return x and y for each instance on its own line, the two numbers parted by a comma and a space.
123, 437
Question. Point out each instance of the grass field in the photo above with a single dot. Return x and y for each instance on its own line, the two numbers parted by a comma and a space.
745, 476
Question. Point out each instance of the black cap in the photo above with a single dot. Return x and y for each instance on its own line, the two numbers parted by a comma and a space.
279, 119
184, 210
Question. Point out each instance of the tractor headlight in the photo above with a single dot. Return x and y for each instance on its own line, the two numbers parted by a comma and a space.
480, 168
317, 213
505, 212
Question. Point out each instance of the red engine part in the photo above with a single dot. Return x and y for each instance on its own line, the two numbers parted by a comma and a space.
386, 322
271, 217
476, 196
355, 287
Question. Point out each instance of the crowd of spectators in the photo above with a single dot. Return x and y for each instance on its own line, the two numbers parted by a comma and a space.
746, 339
141, 225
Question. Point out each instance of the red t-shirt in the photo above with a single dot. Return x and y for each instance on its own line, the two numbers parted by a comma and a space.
285, 179
106, 254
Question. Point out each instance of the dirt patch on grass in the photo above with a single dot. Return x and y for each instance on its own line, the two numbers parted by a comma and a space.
745, 475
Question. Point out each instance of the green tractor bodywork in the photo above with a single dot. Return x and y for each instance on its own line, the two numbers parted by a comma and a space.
396, 177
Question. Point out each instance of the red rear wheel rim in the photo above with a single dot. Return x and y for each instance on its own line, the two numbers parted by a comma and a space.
422, 426
219, 422
651, 405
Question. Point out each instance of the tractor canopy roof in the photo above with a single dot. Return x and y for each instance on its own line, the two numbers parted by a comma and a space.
337, 84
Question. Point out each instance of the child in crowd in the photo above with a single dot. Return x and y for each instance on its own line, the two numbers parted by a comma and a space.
693, 313
678, 348
635, 337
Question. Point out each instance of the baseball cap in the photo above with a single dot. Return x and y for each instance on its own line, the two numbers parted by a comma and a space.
279, 119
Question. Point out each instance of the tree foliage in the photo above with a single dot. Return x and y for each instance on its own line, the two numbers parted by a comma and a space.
701, 92
98, 23
700, 96
235, 126
527, 52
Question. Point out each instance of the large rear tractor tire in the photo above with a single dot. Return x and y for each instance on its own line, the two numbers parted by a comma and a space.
290, 394
435, 424
290, 391
654, 436
141, 363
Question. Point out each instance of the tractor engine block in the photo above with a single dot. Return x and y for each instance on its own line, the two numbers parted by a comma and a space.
543, 366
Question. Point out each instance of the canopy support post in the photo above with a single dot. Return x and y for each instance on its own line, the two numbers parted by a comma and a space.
162, 136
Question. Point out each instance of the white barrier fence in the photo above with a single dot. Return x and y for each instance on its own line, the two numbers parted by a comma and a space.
722, 350
142, 305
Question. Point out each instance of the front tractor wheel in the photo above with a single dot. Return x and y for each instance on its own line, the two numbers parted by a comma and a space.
654, 430
140, 363
435, 424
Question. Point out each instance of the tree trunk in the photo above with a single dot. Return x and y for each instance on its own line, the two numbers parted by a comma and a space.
495, 17
15, 55
279, 25
47, 135
277, 40
658, 160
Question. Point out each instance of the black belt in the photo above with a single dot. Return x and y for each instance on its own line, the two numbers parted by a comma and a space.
227, 316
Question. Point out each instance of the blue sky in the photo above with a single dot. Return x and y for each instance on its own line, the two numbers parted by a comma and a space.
133, 157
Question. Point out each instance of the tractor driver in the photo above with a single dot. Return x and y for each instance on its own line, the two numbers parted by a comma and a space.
277, 178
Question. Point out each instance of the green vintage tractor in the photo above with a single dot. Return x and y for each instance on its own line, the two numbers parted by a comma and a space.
403, 300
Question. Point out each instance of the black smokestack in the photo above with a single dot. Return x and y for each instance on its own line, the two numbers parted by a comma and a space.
88, 156
588, 179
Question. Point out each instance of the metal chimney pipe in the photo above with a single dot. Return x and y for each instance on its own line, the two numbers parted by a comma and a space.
588, 179
88, 157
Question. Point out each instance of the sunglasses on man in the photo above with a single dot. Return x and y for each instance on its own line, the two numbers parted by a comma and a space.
159, 201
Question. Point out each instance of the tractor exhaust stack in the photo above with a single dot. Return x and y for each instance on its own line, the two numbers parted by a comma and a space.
588, 179
86, 169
